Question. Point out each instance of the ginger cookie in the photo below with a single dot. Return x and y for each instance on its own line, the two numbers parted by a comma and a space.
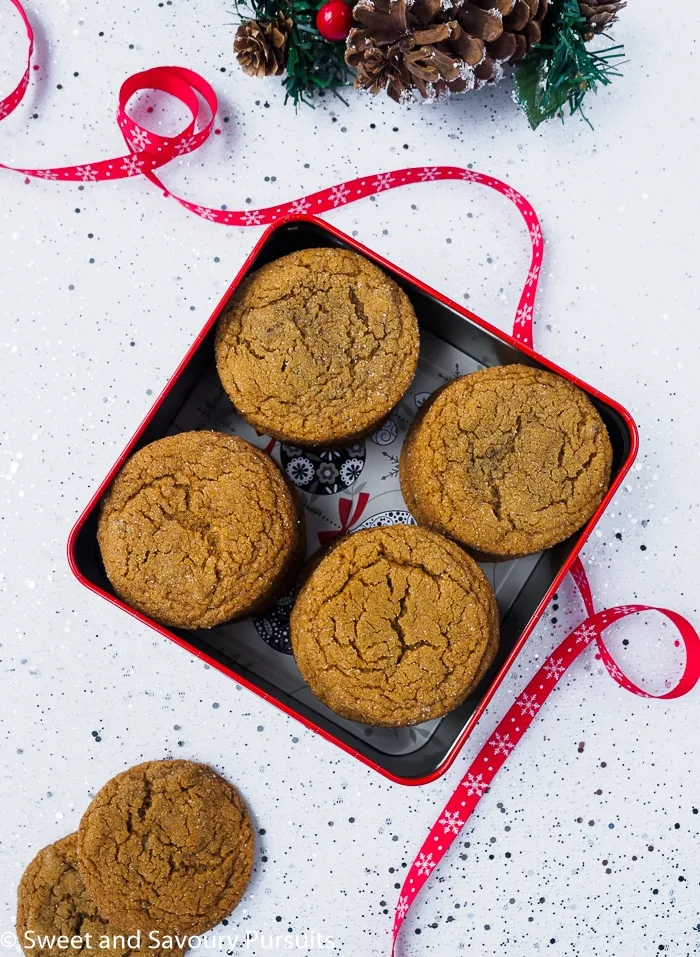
508, 461
394, 626
52, 902
317, 347
200, 528
166, 848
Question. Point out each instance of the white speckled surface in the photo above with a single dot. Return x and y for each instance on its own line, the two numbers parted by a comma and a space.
578, 850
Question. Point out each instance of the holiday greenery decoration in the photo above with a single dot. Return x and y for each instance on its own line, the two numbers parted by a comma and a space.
434, 47
313, 64
599, 16
561, 70
261, 48
334, 20
429, 49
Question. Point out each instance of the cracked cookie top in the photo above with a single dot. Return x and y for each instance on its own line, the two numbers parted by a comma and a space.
317, 347
199, 528
394, 626
52, 902
166, 847
509, 460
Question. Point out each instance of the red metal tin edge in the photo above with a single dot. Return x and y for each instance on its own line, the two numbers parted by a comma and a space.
504, 337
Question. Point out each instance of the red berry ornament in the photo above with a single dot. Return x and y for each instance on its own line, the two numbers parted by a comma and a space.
334, 19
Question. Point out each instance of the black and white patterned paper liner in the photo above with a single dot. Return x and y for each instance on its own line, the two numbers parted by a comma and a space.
325, 471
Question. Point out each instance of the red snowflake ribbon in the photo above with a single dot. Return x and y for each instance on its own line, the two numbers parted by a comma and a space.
148, 151
348, 517
520, 716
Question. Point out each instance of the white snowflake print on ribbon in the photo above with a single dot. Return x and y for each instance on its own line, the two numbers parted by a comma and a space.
554, 668
451, 822
4, 110
614, 671
425, 863
626, 609
428, 174
402, 907
46, 174
524, 315
300, 206
139, 139
204, 213
132, 165
585, 633
87, 173
475, 784
383, 181
528, 704
184, 146
469, 176
532, 276
536, 235
501, 744
513, 196
252, 217
339, 194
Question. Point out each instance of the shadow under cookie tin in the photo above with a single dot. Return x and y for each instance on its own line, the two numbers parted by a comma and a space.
347, 489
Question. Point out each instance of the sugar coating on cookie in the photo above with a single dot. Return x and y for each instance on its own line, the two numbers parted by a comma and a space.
317, 347
394, 626
508, 461
200, 528
52, 902
166, 847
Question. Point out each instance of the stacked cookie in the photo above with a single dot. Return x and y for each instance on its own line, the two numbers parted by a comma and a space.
393, 626
164, 852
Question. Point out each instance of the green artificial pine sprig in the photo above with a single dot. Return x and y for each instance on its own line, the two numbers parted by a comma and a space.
314, 64
560, 71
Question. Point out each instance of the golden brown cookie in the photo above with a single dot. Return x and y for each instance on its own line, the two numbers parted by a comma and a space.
200, 528
508, 461
394, 626
52, 902
166, 847
317, 347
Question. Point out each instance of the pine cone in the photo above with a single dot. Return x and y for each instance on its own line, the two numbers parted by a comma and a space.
522, 27
599, 16
437, 47
261, 48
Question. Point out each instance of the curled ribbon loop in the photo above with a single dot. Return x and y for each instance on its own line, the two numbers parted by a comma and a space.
148, 151
520, 716
151, 150
595, 625
13, 99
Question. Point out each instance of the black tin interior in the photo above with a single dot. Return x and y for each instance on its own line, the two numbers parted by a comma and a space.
471, 339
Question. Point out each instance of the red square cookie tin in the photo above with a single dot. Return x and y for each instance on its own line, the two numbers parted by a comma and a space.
348, 489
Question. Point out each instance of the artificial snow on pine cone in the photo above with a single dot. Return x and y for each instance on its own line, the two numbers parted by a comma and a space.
261, 48
599, 16
436, 47
430, 48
